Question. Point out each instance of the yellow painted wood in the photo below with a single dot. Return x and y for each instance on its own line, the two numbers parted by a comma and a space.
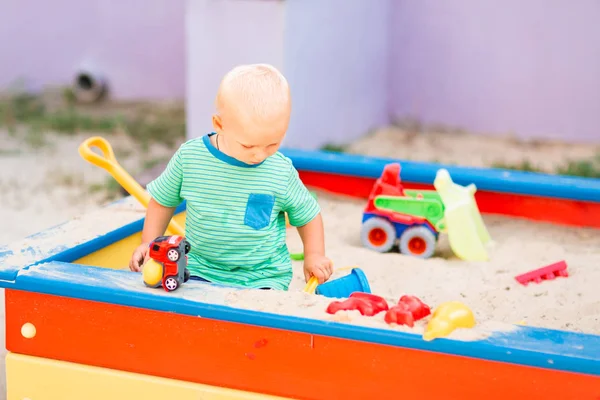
36, 378
118, 254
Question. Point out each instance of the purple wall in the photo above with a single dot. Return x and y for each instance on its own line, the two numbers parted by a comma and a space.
529, 67
337, 62
220, 35
338, 73
526, 67
137, 44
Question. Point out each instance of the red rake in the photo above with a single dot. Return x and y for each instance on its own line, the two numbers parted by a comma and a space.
545, 273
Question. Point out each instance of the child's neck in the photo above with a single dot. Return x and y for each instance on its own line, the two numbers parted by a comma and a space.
219, 144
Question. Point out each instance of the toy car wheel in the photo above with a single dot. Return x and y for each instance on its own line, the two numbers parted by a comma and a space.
378, 234
418, 241
171, 283
186, 275
173, 255
187, 246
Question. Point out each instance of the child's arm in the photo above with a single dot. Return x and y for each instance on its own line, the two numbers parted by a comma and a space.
305, 214
155, 225
166, 189
313, 239
157, 221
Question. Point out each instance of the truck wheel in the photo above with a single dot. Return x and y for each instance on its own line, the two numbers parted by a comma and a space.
378, 234
171, 283
417, 241
187, 247
173, 255
186, 275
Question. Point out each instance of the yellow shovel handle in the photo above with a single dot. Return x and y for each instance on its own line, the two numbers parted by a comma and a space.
311, 285
313, 282
108, 162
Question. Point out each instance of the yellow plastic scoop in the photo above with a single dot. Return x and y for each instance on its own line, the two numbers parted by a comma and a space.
467, 233
152, 273
446, 318
108, 162
311, 285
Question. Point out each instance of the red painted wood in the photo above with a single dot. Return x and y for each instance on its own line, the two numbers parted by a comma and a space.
560, 211
266, 360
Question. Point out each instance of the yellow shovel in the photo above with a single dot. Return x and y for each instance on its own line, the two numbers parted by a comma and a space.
108, 161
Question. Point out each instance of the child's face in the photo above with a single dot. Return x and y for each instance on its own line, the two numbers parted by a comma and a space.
250, 140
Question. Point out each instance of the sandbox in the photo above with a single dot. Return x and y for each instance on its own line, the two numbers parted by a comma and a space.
82, 322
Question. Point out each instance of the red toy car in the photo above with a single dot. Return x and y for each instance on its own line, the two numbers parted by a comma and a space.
171, 252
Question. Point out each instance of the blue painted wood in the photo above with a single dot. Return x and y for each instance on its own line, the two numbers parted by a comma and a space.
487, 179
552, 349
10, 265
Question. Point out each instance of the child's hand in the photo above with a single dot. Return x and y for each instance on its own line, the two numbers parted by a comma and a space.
318, 266
139, 257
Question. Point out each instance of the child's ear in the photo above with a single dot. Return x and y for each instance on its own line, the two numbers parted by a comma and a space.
217, 123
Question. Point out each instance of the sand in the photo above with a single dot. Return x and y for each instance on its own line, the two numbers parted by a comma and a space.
455, 147
571, 303
44, 187
488, 288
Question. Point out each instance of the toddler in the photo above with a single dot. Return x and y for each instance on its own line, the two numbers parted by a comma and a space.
237, 187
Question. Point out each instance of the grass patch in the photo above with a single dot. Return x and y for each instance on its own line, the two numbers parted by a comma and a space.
145, 123
9, 152
524, 165
153, 162
333, 148
585, 168
588, 168
110, 188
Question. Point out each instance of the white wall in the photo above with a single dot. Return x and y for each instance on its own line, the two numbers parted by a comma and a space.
336, 59
334, 54
220, 35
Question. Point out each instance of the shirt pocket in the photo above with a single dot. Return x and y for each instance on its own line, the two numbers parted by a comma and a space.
258, 210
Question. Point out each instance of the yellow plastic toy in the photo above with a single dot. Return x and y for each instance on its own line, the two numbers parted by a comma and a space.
467, 233
311, 285
152, 273
446, 318
108, 162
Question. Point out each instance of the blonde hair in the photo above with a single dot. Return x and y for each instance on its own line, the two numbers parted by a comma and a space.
258, 90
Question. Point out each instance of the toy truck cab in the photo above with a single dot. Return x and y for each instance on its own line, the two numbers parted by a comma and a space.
169, 248
171, 252
395, 216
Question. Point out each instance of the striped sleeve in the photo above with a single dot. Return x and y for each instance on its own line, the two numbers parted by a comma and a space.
166, 189
300, 205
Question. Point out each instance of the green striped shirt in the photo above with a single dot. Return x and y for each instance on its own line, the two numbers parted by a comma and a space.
235, 213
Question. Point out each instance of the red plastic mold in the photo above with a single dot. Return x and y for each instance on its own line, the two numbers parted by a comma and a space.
545, 273
408, 310
416, 306
367, 304
400, 314
378, 301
